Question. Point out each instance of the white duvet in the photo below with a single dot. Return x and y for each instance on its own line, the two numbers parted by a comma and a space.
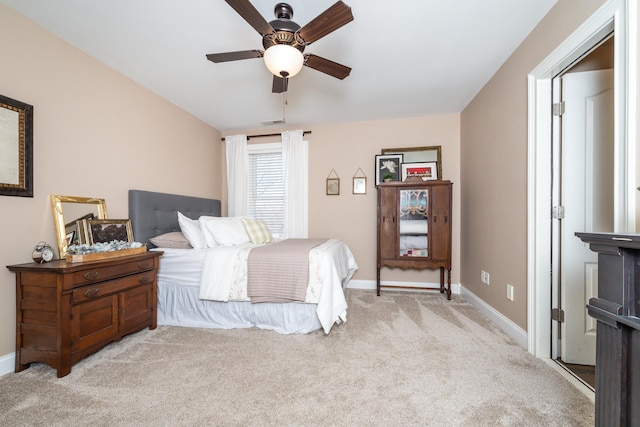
223, 276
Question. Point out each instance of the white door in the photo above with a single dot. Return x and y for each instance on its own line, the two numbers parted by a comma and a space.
587, 192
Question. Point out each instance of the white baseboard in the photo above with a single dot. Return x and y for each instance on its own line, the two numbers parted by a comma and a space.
7, 364
504, 323
371, 285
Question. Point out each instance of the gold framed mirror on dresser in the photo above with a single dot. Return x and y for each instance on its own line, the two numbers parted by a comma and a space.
70, 214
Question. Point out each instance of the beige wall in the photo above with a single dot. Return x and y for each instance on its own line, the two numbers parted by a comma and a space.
96, 133
494, 167
352, 218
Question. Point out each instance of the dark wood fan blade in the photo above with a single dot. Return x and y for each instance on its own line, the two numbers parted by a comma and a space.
279, 84
234, 56
330, 20
326, 66
251, 15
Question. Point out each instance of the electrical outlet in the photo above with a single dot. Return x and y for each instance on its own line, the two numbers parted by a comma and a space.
509, 292
484, 277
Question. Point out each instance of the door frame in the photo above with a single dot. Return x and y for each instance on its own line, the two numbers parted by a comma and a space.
619, 16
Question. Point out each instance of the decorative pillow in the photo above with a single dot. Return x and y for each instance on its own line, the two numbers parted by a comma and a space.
257, 230
191, 230
175, 239
225, 231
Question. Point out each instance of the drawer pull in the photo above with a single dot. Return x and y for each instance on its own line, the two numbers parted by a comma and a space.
91, 275
90, 293
144, 280
144, 264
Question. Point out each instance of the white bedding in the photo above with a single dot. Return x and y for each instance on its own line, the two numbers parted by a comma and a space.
179, 305
220, 274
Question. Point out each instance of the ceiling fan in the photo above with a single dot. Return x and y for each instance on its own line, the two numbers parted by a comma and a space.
284, 41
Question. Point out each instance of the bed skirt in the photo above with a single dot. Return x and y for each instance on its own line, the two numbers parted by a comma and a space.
179, 305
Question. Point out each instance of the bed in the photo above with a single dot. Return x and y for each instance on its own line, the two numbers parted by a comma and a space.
198, 287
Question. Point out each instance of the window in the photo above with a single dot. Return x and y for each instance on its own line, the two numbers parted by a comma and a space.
266, 185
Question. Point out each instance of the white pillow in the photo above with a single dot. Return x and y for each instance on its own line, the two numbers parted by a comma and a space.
226, 231
208, 237
191, 230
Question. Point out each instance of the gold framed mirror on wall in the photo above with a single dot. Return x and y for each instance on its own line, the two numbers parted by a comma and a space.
70, 215
419, 155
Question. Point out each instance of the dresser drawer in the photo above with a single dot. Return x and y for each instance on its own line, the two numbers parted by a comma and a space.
100, 274
105, 288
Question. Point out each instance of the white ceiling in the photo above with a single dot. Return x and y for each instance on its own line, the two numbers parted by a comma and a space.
409, 58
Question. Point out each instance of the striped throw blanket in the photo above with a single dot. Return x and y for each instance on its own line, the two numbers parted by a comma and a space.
279, 272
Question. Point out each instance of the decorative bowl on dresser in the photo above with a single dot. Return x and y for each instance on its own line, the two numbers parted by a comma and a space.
66, 311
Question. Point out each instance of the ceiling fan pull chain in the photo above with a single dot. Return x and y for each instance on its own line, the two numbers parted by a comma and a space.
284, 104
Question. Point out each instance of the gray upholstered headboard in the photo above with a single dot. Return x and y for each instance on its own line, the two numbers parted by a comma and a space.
152, 213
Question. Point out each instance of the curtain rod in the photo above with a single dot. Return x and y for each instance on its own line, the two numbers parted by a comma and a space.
268, 134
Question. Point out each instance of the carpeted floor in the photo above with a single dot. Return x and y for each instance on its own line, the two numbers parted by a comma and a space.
401, 359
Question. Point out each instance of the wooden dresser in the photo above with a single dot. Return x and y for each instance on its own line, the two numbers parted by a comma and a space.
414, 228
66, 311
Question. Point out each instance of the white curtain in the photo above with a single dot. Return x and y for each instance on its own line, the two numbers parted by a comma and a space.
295, 162
237, 175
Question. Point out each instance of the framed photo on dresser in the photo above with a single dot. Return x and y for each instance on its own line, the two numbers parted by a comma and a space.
108, 230
425, 170
388, 167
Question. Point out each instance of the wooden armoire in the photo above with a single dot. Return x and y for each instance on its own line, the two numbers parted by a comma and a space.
414, 229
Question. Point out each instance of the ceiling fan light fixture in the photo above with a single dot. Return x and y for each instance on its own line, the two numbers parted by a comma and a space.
283, 60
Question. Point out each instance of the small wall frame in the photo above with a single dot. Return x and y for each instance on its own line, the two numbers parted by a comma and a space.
359, 182
333, 184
